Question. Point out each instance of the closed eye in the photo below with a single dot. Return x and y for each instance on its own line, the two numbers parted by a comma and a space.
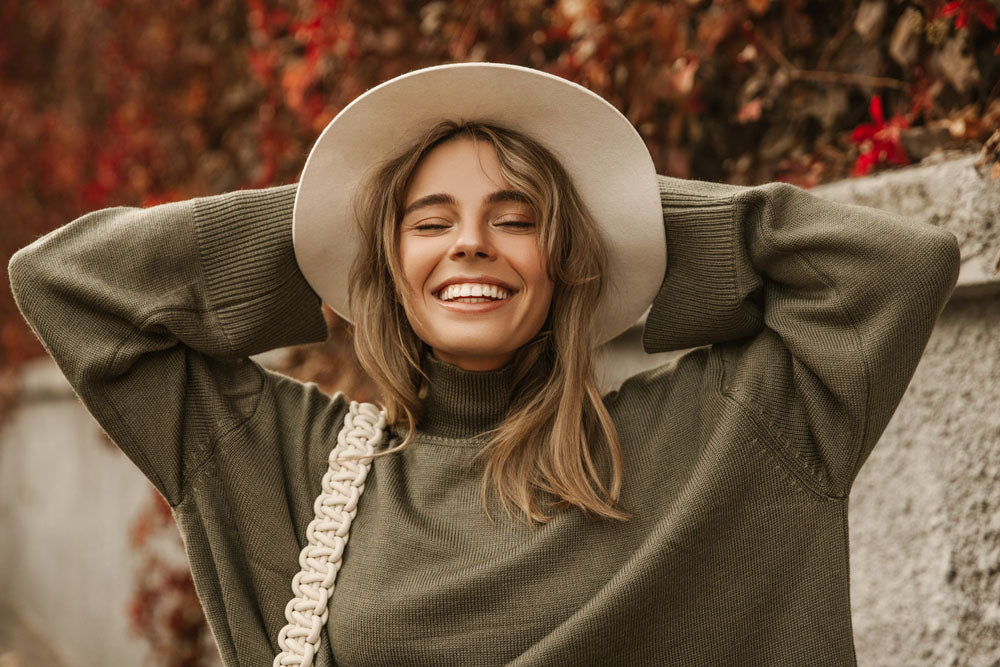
516, 224
429, 226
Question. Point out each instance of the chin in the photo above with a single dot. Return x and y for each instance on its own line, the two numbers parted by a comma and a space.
474, 356
484, 343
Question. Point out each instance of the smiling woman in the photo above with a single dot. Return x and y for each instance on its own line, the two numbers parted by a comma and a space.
499, 225
465, 230
472, 208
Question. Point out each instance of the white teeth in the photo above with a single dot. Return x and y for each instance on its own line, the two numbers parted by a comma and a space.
472, 292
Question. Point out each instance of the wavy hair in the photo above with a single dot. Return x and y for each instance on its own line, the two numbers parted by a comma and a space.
557, 442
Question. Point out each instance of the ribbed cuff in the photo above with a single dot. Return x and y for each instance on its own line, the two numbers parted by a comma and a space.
706, 292
254, 283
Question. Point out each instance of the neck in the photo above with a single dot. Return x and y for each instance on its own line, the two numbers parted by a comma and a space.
461, 403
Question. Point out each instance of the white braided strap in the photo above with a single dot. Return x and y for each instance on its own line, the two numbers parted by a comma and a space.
327, 534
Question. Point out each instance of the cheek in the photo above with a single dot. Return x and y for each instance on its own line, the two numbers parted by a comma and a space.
416, 264
415, 268
532, 266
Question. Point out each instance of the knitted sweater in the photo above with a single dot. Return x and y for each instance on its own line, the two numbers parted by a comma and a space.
738, 456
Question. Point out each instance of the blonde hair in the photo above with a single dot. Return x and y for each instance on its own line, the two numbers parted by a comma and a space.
557, 433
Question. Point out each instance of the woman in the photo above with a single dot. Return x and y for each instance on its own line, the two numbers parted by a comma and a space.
696, 515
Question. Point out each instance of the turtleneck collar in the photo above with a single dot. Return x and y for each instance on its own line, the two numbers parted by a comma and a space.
461, 404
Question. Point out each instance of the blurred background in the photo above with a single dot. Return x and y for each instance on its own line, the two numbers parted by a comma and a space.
137, 102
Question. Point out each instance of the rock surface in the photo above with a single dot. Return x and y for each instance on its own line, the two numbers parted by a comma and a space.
925, 509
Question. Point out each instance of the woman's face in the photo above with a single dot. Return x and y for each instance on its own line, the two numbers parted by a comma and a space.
476, 286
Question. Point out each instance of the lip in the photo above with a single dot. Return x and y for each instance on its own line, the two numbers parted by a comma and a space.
472, 308
483, 280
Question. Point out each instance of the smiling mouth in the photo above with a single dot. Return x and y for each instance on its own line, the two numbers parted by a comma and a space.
473, 293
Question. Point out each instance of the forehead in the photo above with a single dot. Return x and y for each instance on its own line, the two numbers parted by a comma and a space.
461, 166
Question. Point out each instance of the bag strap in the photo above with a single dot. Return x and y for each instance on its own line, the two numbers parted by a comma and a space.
327, 535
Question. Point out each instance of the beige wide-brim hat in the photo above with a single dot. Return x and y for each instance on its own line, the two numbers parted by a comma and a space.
596, 145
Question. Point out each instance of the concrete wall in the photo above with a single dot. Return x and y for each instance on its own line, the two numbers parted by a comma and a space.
925, 510
67, 497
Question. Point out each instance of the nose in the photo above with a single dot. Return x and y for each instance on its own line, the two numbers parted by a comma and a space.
472, 241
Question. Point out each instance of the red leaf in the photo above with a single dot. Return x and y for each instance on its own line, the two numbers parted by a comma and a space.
862, 132
984, 11
875, 109
950, 8
863, 165
987, 15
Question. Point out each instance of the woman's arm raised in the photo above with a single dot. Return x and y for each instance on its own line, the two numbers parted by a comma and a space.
151, 313
820, 311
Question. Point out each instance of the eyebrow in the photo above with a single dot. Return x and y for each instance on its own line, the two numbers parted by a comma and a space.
441, 198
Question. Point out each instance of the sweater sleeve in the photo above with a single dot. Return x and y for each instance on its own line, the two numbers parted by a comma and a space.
152, 313
818, 311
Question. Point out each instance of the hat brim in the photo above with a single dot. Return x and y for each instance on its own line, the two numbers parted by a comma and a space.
596, 145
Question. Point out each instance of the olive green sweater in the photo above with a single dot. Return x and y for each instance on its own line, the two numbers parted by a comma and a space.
738, 457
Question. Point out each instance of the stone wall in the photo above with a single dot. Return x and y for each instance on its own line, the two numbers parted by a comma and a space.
925, 510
